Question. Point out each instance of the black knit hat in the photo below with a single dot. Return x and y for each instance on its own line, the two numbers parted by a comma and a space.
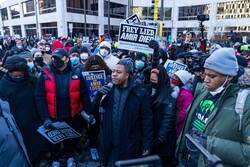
74, 50
16, 63
141, 56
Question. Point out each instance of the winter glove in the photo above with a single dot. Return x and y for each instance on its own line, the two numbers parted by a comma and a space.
48, 124
154, 45
105, 89
158, 142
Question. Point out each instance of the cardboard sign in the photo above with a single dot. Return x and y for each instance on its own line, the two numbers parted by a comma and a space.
134, 19
94, 80
136, 38
62, 132
173, 66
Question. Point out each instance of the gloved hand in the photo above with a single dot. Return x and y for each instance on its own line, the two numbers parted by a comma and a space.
89, 118
48, 124
154, 45
105, 89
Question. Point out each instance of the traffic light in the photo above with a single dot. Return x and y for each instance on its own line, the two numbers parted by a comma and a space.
154, 9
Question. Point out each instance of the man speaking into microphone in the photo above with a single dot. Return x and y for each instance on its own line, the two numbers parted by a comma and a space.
126, 127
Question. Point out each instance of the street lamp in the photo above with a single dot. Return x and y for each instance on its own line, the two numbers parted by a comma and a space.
109, 17
36, 15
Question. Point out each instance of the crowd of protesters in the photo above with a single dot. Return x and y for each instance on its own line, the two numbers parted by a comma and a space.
140, 111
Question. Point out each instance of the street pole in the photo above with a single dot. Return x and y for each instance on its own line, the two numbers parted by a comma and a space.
129, 5
36, 15
162, 10
109, 17
85, 18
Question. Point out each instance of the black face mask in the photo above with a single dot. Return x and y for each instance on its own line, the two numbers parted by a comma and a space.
39, 61
58, 63
154, 85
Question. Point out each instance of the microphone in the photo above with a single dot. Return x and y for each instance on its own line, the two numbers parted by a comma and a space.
110, 84
89, 118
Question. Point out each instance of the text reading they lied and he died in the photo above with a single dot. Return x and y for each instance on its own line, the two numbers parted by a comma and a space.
137, 34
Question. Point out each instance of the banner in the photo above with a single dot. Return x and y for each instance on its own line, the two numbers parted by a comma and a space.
134, 19
173, 66
135, 37
62, 132
94, 80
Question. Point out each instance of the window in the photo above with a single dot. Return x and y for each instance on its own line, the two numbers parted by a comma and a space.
28, 8
77, 6
78, 29
191, 12
47, 6
17, 30
49, 28
14, 10
145, 13
116, 10
4, 14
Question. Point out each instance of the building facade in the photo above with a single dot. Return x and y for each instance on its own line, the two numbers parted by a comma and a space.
39, 17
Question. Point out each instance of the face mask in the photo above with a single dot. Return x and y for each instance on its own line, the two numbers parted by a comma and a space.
104, 52
176, 82
84, 56
58, 63
154, 85
16, 79
178, 44
47, 49
74, 60
219, 89
139, 64
30, 64
39, 60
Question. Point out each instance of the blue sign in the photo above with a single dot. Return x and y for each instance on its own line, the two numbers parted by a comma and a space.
94, 80
173, 66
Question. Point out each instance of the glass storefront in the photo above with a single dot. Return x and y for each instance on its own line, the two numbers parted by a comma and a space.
17, 30
77, 6
191, 12
15, 12
78, 29
30, 30
49, 28
114, 30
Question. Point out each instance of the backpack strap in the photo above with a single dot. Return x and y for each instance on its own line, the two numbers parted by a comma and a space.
240, 103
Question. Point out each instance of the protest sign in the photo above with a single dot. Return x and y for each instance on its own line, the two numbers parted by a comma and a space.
62, 132
94, 80
135, 37
173, 66
134, 19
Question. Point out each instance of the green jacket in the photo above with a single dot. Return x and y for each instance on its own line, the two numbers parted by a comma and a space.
223, 137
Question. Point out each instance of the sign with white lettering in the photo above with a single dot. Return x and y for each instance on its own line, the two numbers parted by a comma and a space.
173, 66
62, 132
94, 80
134, 19
136, 38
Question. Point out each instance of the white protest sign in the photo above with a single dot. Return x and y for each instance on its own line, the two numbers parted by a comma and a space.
136, 38
62, 132
173, 66
134, 19
70, 27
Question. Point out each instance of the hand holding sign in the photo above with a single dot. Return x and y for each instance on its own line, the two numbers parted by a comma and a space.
48, 124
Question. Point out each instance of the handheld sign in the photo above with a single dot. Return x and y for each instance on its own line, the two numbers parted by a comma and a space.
136, 38
94, 80
62, 132
134, 19
173, 66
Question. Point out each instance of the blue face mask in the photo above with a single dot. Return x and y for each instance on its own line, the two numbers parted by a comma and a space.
30, 64
74, 60
16, 79
139, 64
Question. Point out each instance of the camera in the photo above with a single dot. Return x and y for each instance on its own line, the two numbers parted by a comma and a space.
203, 17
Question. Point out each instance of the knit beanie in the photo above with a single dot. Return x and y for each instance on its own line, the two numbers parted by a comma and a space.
25, 55
16, 63
223, 61
141, 56
184, 76
244, 79
34, 51
74, 50
105, 44
128, 62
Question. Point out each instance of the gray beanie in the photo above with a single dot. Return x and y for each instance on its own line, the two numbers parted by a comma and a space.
223, 61
25, 55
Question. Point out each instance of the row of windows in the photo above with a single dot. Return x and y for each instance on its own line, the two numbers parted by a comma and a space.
73, 6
